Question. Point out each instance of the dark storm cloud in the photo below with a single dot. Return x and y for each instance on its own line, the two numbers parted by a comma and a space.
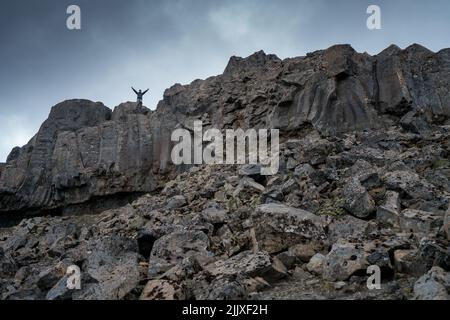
153, 44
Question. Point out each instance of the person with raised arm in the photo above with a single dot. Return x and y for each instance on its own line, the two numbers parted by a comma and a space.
140, 95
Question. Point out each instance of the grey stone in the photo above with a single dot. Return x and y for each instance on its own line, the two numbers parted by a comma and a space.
344, 260
339, 285
434, 285
164, 290
304, 170
224, 288
250, 170
171, 249
357, 200
289, 186
348, 228
407, 261
421, 222
389, 212
366, 173
316, 264
414, 123
50, 277
176, 202
60, 291
215, 215
113, 267
249, 264
246, 187
408, 183
278, 226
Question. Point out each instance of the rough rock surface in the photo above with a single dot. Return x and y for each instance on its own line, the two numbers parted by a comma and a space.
82, 151
85, 150
435, 285
364, 179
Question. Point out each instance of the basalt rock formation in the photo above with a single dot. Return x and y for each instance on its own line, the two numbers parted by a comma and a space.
85, 150
364, 180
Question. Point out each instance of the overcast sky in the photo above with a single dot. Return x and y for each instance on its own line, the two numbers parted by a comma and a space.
154, 44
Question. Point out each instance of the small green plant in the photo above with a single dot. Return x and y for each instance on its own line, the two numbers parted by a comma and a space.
255, 201
441, 163
232, 204
333, 207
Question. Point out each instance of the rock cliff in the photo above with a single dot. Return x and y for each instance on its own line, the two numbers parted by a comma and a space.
85, 150
364, 180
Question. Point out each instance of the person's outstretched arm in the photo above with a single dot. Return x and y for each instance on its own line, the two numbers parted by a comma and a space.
134, 90
145, 91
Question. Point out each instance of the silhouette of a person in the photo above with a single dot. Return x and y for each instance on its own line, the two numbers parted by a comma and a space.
139, 94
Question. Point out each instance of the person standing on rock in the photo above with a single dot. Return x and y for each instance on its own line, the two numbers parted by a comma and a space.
140, 95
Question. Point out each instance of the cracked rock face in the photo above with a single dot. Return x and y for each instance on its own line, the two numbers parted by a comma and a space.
286, 226
84, 150
364, 179
434, 285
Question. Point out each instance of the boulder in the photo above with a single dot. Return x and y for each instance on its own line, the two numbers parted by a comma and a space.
250, 170
389, 212
420, 222
303, 252
186, 269
366, 173
176, 202
50, 277
60, 291
303, 171
289, 186
316, 264
409, 184
278, 227
171, 249
434, 285
348, 228
249, 264
408, 262
414, 122
164, 290
344, 260
227, 288
112, 269
247, 187
357, 200
434, 252
214, 215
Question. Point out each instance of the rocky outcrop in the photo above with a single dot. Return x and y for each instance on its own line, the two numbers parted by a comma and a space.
2, 166
435, 285
364, 180
84, 150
